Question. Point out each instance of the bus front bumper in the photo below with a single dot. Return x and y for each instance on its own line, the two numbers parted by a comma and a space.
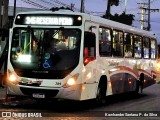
72, 92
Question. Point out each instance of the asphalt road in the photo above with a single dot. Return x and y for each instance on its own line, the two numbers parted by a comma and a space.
122, 107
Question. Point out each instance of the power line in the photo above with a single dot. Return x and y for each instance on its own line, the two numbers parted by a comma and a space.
34, 4
48, 3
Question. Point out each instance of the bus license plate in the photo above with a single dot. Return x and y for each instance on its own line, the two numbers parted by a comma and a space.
38, 95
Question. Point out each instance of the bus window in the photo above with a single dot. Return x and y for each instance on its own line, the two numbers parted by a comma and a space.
128, 45
89, 47
146, 47
153, 49
118, 43
137, 46
104, 42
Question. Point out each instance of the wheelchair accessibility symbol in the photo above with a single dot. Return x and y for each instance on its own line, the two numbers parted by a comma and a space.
46, 64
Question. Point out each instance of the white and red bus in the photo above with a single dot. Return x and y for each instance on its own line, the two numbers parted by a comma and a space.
69, 55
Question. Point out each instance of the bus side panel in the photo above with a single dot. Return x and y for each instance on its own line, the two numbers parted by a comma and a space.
149, 80
89, 81
122, 82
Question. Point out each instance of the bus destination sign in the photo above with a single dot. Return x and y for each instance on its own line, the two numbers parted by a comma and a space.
49, 20
70, 20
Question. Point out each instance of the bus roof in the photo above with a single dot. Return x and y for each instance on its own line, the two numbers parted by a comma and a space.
96, 19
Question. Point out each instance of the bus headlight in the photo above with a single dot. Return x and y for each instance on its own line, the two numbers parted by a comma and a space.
13, 78
71, 81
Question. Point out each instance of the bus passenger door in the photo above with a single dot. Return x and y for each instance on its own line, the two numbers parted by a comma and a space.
89, 70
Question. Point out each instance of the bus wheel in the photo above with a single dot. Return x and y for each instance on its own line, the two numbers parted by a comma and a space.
101, 91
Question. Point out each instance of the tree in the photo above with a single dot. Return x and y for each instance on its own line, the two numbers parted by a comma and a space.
58, 8
123, 18
109, 4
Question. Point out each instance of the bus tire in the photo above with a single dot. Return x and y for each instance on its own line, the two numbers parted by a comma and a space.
101, 91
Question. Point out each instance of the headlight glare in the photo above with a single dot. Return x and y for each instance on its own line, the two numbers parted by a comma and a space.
12, 78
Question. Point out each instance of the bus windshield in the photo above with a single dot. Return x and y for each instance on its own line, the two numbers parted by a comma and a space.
45, 49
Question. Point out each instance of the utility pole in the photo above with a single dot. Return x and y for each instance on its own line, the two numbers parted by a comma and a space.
149, 25
82, 6
143, 13
149, 13
125, 6
5, 15
142, 16
109, 4
0, 13
14, 11
72, 6
4, 44
0, 24
108, 9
